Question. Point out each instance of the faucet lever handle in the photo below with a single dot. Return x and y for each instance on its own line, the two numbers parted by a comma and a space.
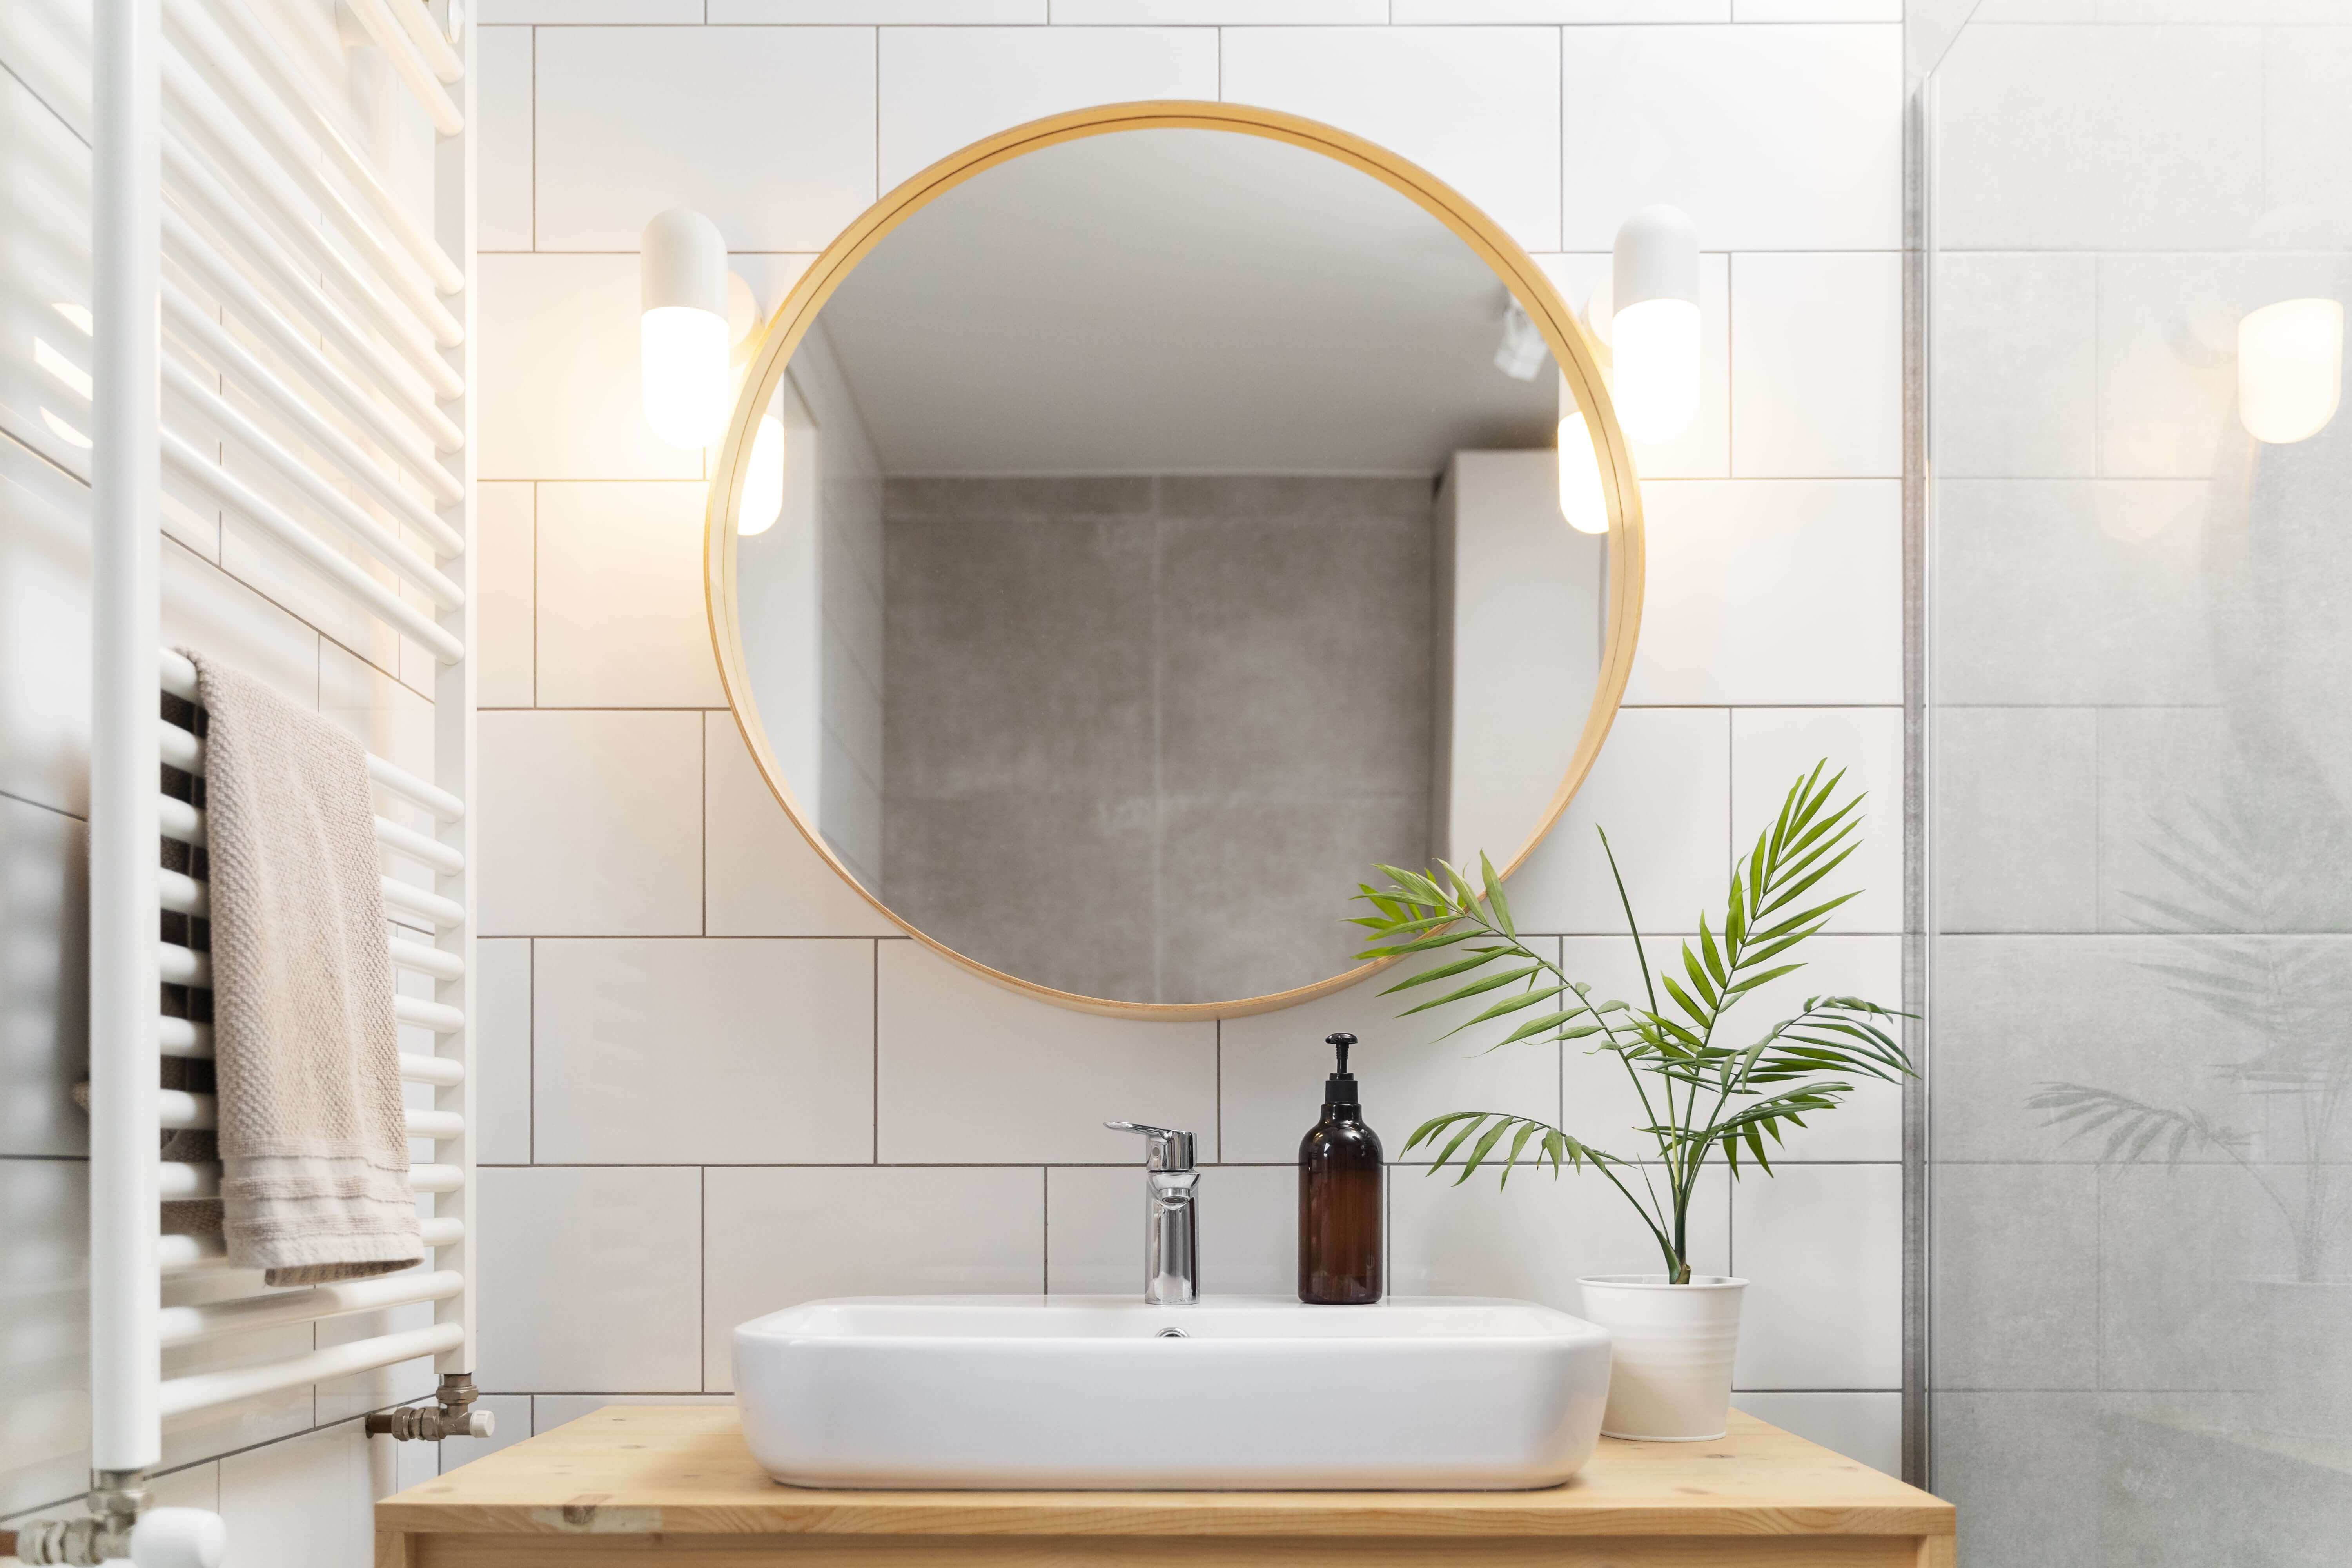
1165, 1148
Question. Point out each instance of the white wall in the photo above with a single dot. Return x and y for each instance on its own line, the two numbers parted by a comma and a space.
744, 1088
291, 1472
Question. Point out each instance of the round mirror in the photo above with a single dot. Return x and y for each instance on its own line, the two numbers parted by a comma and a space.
1140, 526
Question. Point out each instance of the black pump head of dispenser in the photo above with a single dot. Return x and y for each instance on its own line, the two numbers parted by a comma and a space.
1340, 1089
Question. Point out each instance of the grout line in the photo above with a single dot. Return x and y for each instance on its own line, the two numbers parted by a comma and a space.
531, 1037
873, 1053
702, 1283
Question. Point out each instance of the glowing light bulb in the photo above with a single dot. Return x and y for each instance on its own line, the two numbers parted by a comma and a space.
2290, 369
764, 483
1654, 324
682, 338
1583, 501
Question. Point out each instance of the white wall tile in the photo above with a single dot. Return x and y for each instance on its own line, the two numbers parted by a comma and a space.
558, 343
591, 824
576, 12
307, 1503
1661, 790
389, 720
207, 610
502, 137
45, 640
504, 610
1249, 1230
1703, 451
1477, 107
763, 878
1771, 592
511, 1416
550, 1411
1816, 365
1533, 1239
944, 87
2014, 364
1821, 1248
1772, 748
969, 1070
767, 132
2307, 124
781, 1236
502, 1047
704, 1052
1779, 138
621, 616
591, 1277
2061, 138
1272, 1065
44, 1041
884, 13
1867, 1428
44, 1358
1462, 11
1816, 10
1222, 13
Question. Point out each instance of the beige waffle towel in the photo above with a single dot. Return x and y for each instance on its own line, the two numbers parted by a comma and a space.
314, 1152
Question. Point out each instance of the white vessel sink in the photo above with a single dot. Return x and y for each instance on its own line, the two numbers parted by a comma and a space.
1261, 1393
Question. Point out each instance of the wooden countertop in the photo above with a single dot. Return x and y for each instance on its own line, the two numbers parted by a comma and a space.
672, 1471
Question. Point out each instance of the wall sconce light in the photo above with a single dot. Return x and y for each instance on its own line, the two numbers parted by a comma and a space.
1581, 499
1650, 319
682, 337
2290, 369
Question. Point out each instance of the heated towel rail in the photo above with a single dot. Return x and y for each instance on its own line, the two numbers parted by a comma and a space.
289, 337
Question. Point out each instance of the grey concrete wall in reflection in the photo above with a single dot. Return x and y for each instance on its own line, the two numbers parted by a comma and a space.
1143, 734
2142, 817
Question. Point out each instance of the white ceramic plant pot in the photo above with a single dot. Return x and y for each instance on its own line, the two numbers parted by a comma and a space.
1670, 1372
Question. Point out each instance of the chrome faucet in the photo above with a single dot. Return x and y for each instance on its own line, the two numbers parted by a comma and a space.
1171, 1215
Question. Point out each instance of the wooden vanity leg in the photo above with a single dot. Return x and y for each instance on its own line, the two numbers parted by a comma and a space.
1935, 1552
391, 1550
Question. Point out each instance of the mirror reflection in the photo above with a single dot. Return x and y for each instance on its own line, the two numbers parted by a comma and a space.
1150, 535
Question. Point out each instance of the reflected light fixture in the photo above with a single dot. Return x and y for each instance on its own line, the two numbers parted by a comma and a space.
2290, 369
1523, 352
1654, 324
1583, 502
682, 336
764, 483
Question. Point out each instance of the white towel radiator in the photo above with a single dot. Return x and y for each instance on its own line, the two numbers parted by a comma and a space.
335, 353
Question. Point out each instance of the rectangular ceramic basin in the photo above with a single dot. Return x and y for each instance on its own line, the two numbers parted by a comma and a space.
1259, 1393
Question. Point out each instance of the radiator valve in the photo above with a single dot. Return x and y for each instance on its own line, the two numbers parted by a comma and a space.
452, 1415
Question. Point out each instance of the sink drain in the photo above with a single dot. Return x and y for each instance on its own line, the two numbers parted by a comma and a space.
1171, 1334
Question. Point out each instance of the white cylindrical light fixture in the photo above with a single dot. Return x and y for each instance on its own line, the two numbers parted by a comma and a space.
2290, 369
1583, 502
763, 481
682, 336
1653, 326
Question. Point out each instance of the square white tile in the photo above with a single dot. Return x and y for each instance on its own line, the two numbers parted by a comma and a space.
1662, 791
779, 1237
305, 1502
1533, 1239
1477, 107
1221, 13
1864, 1427
764, 878
1772, 748
502, 1047
1775, 138
1821, 1250
704, 1052
2015, 363
591, 1276
1272, 1065
44, 1283
1771, 592
392, 720
1574, 11
557, 337
1249, 1230
511, 1416
943, 87
969, 1069
1816, 365
590, 824
44, 1029
1816, 10
44, 635
505, 597
622, 621
1703, 451
767, 132
882, 13
208, 611
502, 116
578, 12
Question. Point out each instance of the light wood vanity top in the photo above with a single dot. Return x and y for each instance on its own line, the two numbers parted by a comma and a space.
630, 1481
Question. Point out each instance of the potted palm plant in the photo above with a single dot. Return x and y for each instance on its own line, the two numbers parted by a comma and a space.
1701, 1094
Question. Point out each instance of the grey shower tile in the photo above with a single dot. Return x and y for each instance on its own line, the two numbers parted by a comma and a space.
2179, 1249
1019, 499
1295, 498
2016, 1285
2024, 1471
2073, 591
2017, 819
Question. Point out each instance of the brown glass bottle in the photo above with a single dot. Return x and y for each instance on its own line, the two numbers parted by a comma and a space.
1341, 1193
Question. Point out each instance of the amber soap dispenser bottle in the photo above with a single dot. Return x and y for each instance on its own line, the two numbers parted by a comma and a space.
1340, 1195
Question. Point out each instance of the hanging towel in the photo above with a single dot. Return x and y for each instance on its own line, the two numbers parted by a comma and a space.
313, 1146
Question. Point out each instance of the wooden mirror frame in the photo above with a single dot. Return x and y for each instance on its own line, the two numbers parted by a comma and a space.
1571, 350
